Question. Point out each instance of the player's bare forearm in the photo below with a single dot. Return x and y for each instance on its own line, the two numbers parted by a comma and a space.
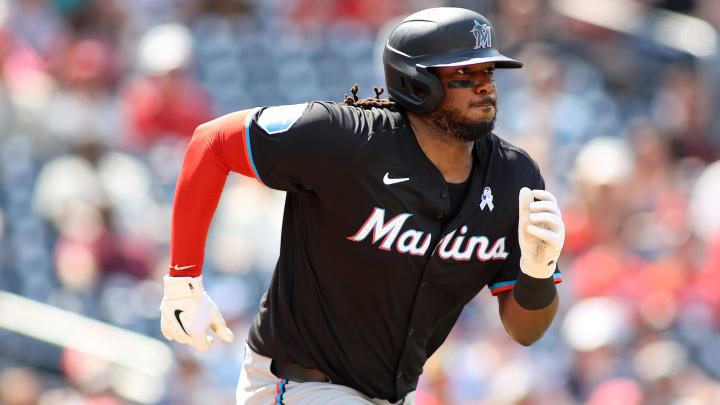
523, 325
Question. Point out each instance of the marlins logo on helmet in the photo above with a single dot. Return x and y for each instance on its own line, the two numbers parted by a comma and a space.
483, 35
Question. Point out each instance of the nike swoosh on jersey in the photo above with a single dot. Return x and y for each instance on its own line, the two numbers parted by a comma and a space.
387, 180
176, 267
177, 316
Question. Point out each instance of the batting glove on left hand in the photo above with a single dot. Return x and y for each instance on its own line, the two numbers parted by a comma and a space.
186, 312
541, 233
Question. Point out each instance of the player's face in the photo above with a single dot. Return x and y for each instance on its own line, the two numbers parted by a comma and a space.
470, 90
470, 105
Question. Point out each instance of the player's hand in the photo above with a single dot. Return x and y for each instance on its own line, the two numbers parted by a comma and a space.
541, 233
187, 311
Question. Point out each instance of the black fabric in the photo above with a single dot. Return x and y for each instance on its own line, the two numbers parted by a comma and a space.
458, 191
534, 293
369, 283
456, 194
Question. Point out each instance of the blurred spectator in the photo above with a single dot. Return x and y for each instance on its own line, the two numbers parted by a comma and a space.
165, 101
19, 387
84, 110
85, 198
372, 13
683, 108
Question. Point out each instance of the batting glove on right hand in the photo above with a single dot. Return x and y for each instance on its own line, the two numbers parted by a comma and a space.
186, 312
541, 233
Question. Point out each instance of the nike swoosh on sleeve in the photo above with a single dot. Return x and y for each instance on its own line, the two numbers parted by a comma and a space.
176, 267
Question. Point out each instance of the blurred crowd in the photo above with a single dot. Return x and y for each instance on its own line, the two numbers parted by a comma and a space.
99, 97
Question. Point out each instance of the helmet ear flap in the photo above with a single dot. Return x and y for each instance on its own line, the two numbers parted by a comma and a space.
418, 91
429, 84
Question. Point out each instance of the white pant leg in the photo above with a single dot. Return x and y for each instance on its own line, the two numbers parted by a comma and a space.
258, 386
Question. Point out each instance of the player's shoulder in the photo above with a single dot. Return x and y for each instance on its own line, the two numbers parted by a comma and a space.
375, 120
328, 115
518, 157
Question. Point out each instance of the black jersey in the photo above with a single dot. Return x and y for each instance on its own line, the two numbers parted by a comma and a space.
368, 283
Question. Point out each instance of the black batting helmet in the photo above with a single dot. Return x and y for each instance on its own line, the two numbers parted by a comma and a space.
436, 37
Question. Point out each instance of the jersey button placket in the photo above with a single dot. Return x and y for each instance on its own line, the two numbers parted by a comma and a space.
443, 194
439, 215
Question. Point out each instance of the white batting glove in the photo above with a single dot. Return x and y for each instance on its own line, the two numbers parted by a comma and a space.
186, 312
541, 233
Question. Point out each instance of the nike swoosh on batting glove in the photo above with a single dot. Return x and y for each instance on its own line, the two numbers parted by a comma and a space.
187, 311
541, 232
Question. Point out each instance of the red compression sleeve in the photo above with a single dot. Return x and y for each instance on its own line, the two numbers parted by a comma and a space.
216, 148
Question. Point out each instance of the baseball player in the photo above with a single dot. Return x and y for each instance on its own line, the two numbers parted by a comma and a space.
398, 212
